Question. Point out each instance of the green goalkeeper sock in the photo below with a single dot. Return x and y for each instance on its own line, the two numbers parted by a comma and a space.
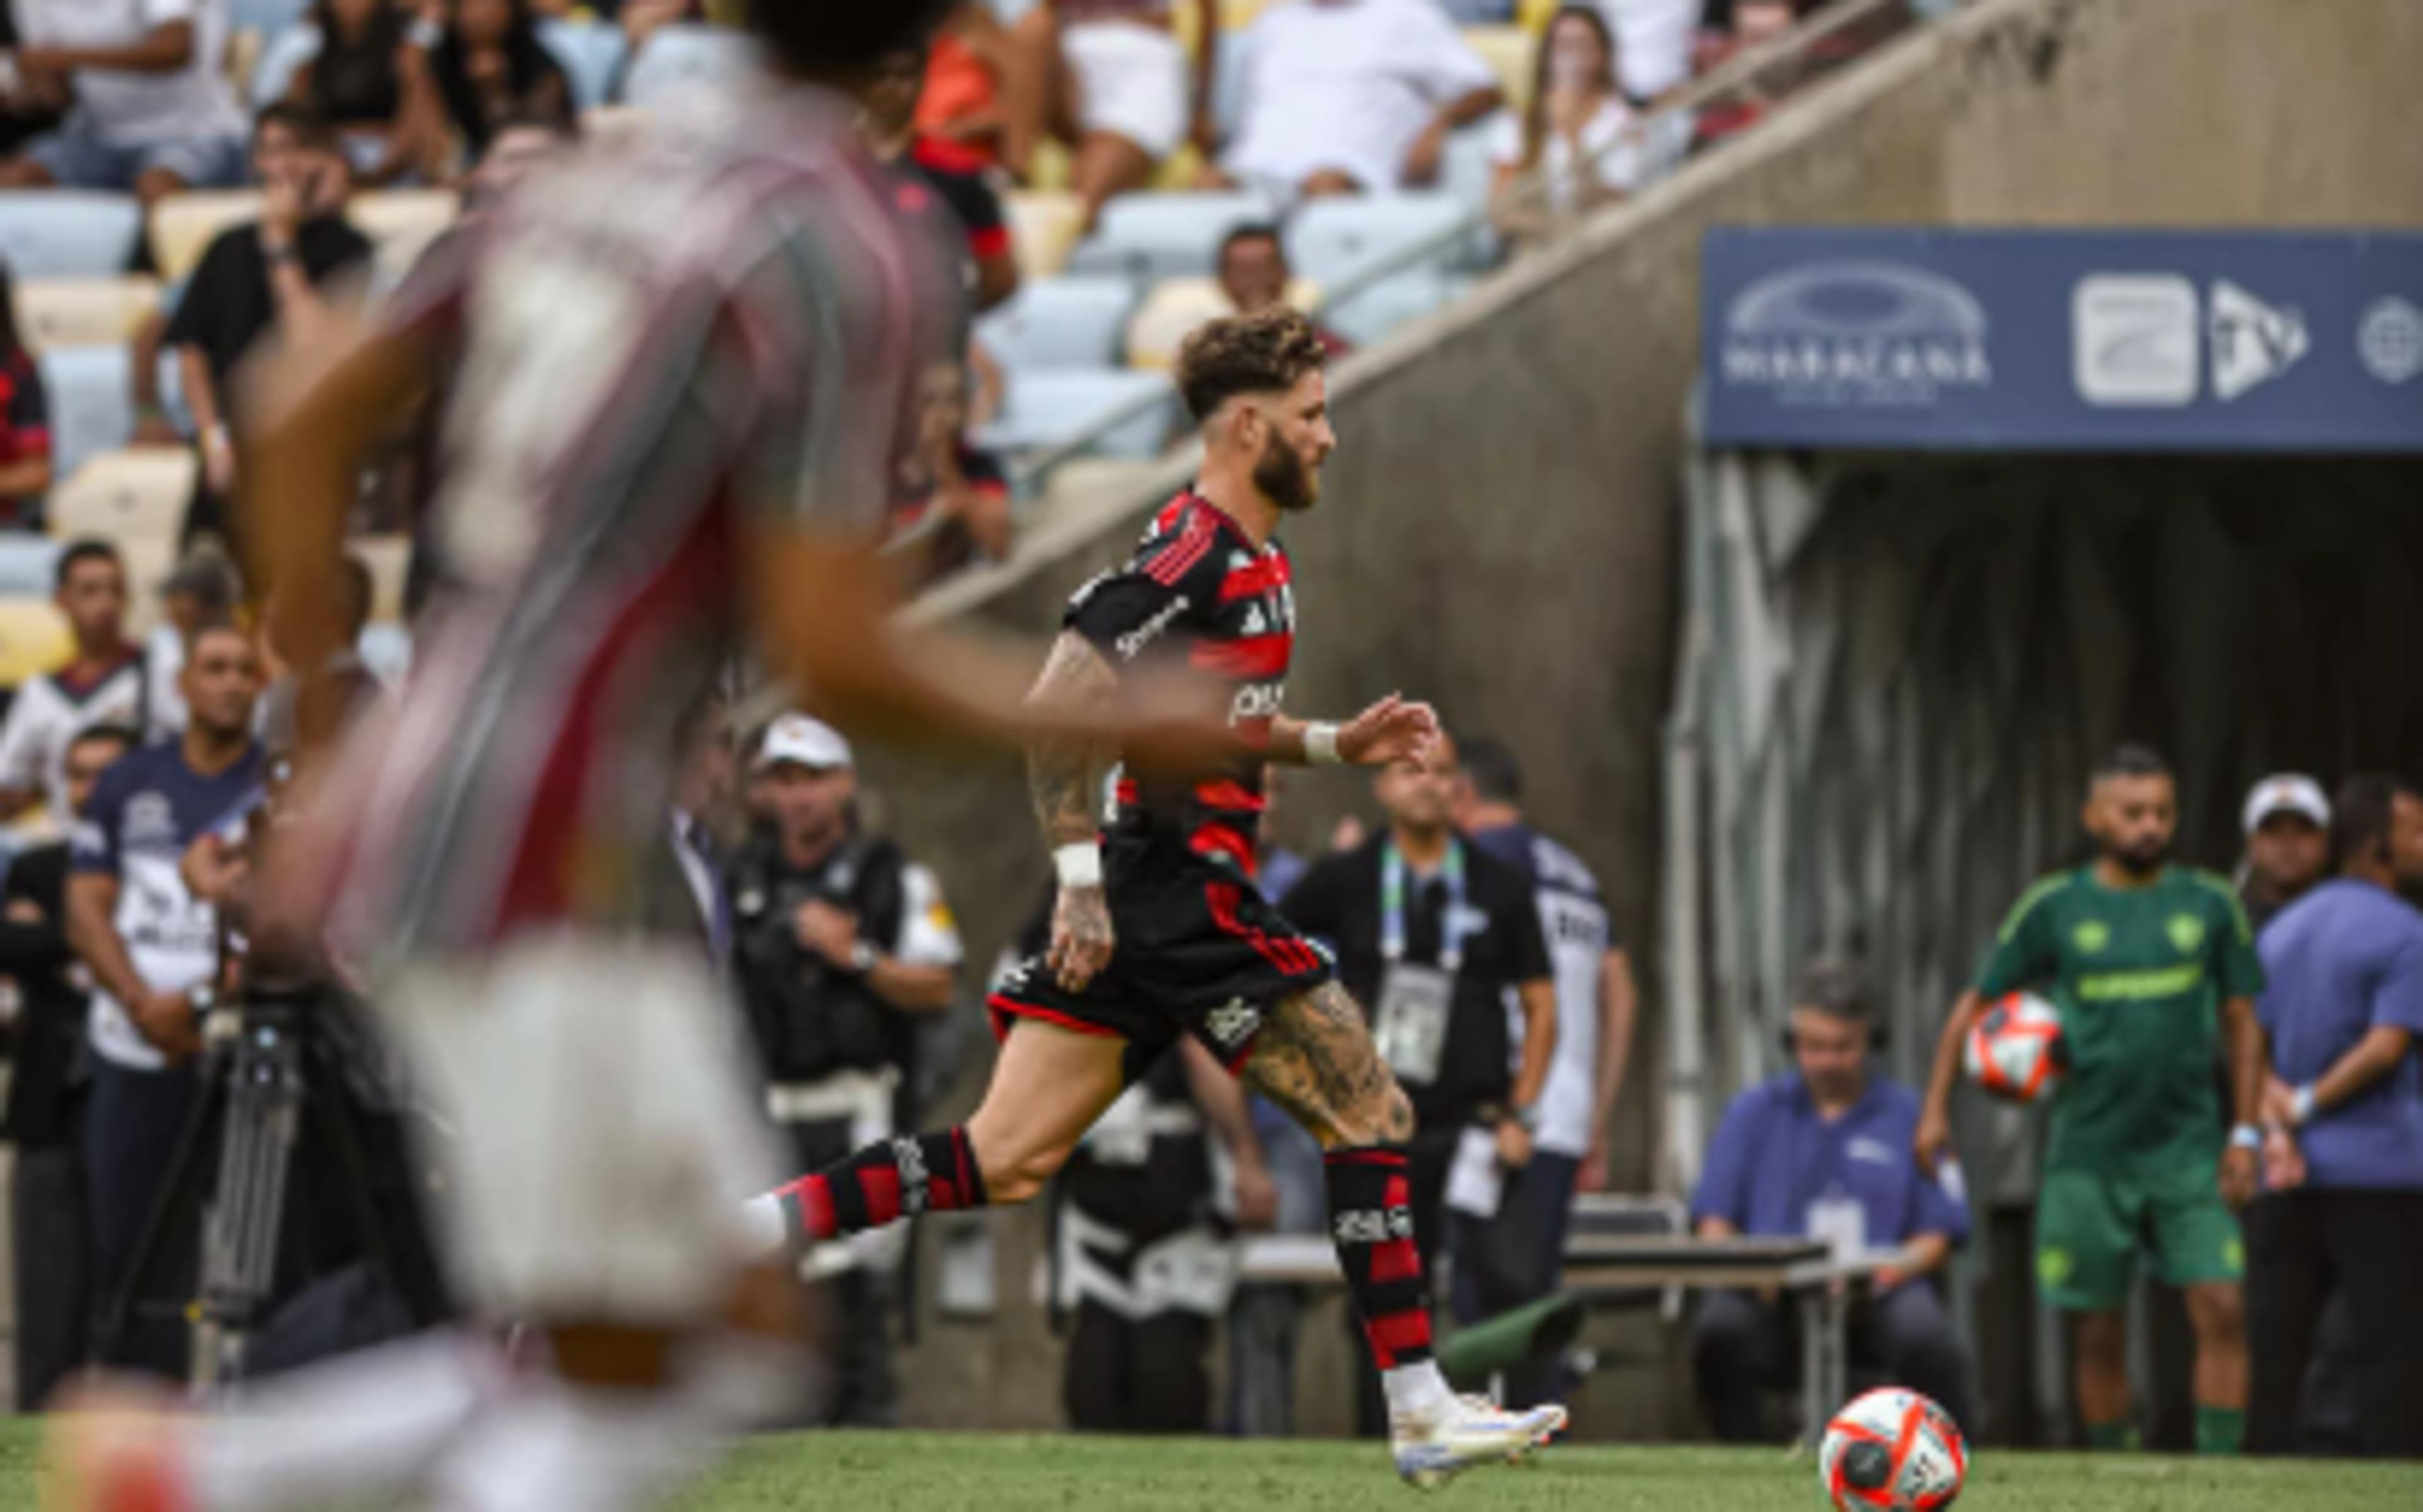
2220, 1429
2121, 1437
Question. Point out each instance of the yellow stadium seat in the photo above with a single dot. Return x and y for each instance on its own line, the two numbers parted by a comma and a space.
1044, 227
1174, 308
402, 223
1534, 15
149, 561
1513, 53
62, 313
1235, 16
136, 495
183, 226
34, 639
388, 557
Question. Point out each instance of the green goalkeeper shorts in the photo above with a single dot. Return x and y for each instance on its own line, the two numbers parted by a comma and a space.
2092, 1227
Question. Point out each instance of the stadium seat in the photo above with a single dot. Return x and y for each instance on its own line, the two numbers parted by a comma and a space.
1333, 241
402, 223
268, 17
591, 53
284, 56
183, 225
28, 565
139, 493
64, 313
34, 639
149, 561
1043, 229
1059, 323
1044, 409
93, 403
1148, 238
1372, 316
1172, 311
1467, 170
66, 233
388, 557
682, 56
1513, 52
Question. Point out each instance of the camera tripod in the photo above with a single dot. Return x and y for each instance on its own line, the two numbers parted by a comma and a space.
221, 1248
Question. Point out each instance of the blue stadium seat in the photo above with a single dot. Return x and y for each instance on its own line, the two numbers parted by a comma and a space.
65, 233
27, 564
267, 17
1044, 408
591, 53
1332, 240
1148, 238
1373, 315
682, 56
288, 53
92, 402
1060, 322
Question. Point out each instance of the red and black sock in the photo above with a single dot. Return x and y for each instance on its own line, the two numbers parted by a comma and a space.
1372, 1222
894, 1179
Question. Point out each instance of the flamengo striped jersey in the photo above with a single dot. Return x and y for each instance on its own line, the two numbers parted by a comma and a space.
661, 345
1199, 590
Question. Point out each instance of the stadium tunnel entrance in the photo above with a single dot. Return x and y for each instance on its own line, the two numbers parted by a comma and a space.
1895, 671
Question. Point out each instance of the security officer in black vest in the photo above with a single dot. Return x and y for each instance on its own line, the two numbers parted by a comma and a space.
840, 943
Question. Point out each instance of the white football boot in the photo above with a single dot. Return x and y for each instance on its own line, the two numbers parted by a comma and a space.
1467, 1431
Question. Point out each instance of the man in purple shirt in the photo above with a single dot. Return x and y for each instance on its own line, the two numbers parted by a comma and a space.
1820, 1152
2344, 1010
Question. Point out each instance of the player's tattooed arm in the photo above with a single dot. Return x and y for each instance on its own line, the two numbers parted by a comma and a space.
1061, 779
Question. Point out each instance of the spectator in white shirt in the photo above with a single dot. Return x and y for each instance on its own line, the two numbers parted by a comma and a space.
1653, 40
1344, 97
152, 112
1109, 78
1578, 132
105, 682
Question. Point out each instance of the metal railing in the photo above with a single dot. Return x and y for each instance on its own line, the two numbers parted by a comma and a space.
1748, 75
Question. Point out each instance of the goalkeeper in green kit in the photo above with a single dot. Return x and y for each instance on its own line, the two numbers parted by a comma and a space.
2154, 969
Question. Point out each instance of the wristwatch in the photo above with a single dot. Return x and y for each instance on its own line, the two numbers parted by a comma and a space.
204, 1000
863, 957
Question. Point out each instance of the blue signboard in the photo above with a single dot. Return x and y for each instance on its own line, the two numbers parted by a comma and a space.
2064, 340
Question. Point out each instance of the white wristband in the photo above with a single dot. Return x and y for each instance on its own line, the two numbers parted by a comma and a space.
2300, 1106
1321, 745
1078, 865
2246, 1137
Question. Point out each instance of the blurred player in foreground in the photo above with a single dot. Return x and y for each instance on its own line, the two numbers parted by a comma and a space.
1160, 930
2154, 969
684, 367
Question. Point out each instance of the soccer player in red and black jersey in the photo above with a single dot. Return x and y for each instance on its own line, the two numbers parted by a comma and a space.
1159, 931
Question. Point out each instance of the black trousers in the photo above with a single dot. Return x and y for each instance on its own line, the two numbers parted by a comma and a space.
46, 1204
135, 1123
1742, 1349
2301, 1246
1148, 1375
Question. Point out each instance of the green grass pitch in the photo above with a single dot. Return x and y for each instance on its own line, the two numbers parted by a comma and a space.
1006, 1472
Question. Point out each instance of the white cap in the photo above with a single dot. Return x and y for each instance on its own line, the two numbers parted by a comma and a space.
2287, 793
809, 742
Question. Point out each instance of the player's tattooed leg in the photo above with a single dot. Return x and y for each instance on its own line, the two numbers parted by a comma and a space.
1314, 1058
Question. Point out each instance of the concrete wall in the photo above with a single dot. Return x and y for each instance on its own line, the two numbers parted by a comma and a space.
1499, 527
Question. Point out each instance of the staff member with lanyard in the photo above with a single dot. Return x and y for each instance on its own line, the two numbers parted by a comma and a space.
1432, 933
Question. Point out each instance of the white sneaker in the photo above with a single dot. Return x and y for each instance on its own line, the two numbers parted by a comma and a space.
1469, 1430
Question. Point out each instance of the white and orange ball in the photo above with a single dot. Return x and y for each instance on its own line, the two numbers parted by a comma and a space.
1893, 1451
2016, 1049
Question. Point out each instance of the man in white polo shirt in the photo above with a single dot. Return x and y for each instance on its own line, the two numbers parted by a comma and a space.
151, 111
105, 681
1344, 97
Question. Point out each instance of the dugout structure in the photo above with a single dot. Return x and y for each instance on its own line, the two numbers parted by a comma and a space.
1956, 529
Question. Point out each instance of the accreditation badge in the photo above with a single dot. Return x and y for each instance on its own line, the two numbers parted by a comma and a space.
1410, 1025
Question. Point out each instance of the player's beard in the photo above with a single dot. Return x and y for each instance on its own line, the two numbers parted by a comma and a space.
1284, 479
2141, 860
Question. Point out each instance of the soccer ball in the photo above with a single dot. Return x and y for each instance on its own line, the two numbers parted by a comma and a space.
1893, 1450
2016, 1048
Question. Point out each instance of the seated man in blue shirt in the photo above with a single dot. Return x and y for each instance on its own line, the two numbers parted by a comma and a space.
2344, 1009
1821, 1152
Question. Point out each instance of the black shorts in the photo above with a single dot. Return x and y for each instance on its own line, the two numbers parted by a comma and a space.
1199, 951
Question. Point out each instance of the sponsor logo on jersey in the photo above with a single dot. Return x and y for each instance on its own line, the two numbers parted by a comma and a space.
2186, 932
1150, 631
1257, 700
2092, 937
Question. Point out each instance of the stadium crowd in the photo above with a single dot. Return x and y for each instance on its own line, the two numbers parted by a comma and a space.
192, 182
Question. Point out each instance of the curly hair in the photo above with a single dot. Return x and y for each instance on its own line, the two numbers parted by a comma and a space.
1262, 354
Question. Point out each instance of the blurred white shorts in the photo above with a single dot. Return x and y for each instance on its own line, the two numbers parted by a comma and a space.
600, 1138
1130, 81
